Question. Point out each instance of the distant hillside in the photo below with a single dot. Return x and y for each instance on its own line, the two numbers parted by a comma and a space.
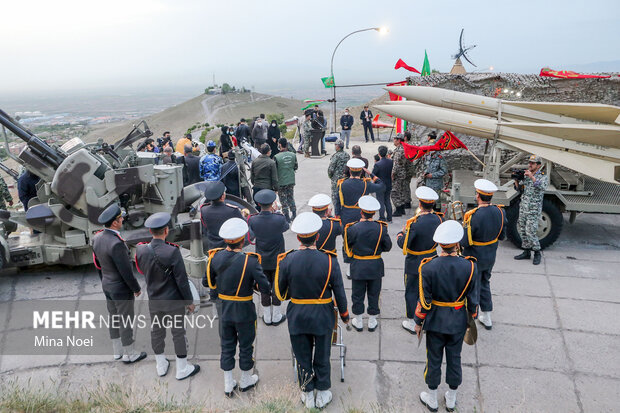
214, 109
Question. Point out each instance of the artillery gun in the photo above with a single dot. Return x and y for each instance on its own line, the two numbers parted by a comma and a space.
580, 142
78, 181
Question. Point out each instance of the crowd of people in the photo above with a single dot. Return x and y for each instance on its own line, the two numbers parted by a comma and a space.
447, 265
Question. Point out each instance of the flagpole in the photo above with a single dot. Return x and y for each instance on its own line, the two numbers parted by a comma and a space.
379, 29
476, 158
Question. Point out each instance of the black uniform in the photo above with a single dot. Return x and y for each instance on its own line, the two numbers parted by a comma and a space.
212, 216
231, 276
450, 288
268, 228
230, 177
111, 257
326, 241
484, 226
350, 191
418, 232
168, 287
311, 279
364, 241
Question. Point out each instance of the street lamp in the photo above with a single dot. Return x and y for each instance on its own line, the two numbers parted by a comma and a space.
381, 30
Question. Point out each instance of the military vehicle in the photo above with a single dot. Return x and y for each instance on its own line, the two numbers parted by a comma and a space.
579, 141
78, 181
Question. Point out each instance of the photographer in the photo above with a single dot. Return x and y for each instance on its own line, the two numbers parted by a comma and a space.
534, 183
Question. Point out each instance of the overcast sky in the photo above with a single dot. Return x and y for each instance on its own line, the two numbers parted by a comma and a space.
77, 44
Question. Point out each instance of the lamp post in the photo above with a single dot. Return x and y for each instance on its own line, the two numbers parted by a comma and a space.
381, 30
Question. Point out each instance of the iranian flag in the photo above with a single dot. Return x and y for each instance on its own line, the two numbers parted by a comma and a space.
401, 124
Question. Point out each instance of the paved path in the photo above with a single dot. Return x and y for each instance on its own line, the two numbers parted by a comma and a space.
554, 345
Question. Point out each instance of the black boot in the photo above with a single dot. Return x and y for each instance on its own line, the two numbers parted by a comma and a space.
525, 255
399, 212
537, 257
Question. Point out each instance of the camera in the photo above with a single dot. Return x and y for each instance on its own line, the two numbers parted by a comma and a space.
517, 174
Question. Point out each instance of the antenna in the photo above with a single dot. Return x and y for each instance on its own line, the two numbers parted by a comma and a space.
463, 50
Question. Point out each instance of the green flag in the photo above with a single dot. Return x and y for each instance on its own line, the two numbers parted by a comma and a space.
328, 81
426, 67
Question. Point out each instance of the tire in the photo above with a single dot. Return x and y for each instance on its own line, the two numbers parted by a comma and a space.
549, 227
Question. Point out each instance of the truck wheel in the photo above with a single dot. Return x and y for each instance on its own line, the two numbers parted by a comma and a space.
549, 226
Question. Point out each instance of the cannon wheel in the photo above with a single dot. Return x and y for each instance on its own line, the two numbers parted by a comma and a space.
549, 226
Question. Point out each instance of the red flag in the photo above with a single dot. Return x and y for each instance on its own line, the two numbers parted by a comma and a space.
394, 96
568, 74
404, 65
447, 142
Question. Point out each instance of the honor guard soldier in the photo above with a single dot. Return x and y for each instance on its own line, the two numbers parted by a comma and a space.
484, 227
350, 190
214, 213
416, 240
268, 227
448, 286
311, 279
332, 227
169, 292
111, 257
364, 241
231, 275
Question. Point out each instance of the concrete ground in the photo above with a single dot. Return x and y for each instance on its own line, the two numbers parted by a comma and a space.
554, 345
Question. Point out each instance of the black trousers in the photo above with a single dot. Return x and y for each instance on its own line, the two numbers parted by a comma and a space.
412, 293
362, 288
255, 189
269, 299
123, 311
313, 367
486, 302
230, 335
385, 204
368, 127
161, 320
436, 344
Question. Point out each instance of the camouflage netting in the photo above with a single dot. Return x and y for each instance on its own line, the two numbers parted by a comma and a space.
531, 87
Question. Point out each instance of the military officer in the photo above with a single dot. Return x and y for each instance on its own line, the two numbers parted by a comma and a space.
268, 228
350, 190
311, 279
535, 184
416, 240
448, 286
364, 241
214, 213
400, 183
306, 133
337, 164
435, 167
111, 257
231, 276
5, 195
484, 227
332, 227
169, 293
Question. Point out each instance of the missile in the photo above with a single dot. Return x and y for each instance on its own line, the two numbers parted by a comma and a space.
572, 145
554, 112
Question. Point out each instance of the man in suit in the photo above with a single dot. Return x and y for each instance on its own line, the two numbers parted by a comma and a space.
366, 117
169, 293
111, 257
230, 175
383, 170
192, 166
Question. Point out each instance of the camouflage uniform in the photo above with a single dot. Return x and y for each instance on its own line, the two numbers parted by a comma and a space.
335, 171
435, 165
401, 192
211, 167
531, 209
287, 199
306, 134
5, 195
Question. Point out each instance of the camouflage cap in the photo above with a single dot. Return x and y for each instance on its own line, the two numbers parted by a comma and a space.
534, 158
399, 136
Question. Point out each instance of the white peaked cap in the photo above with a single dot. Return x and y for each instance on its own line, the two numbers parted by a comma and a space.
319, 201
369, 203
306, 223
448, 232
233, 228
485, 186
426, 194
355, 163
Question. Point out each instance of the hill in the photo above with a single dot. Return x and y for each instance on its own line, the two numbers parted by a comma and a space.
214, 109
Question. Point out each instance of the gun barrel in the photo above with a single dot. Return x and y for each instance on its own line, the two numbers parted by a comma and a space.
37, 145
